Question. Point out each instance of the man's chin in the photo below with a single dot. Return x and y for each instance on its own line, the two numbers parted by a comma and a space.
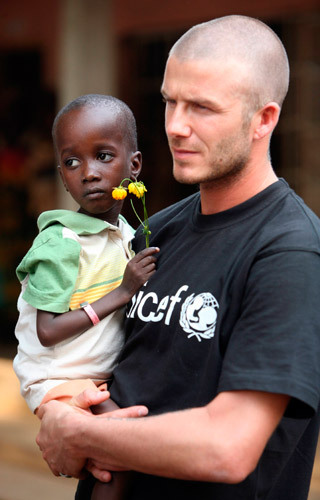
182, 176
183, 179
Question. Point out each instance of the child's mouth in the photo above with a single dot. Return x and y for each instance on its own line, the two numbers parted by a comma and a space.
94, 193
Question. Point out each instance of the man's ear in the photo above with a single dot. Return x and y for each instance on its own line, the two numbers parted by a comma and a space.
135, 164
62, 178
265, 120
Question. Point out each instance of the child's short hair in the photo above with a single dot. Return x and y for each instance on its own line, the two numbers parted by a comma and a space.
117, 106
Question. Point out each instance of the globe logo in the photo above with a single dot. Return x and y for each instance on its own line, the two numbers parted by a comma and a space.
199, 315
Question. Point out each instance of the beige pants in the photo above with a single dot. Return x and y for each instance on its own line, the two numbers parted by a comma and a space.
67, 390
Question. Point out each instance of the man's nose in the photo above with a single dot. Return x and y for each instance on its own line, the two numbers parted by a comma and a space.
90, 171
177, 123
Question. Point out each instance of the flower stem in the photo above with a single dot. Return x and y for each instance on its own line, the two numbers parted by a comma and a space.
136, 213
144, 224
146, 220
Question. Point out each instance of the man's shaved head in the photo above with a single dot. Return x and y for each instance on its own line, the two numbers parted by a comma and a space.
246, 41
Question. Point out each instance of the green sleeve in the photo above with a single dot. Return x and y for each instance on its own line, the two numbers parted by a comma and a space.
52, 265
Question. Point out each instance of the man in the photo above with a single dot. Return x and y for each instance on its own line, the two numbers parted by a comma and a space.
224, 340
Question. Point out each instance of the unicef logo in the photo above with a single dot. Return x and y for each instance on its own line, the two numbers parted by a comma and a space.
199, 315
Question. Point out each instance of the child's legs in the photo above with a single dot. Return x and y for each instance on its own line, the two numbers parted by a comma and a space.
104, 407
117, 489
118, 486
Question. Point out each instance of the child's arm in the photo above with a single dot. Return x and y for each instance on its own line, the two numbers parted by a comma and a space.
53, 328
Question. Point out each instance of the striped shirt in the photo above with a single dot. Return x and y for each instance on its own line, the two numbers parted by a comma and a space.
74, 258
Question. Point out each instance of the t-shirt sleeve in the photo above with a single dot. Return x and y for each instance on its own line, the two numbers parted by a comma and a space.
275, 346
52, 268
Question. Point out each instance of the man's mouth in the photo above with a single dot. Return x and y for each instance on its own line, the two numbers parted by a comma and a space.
182, 153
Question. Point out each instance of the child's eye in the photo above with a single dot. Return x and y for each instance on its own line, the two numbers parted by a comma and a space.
104, 156
72, 162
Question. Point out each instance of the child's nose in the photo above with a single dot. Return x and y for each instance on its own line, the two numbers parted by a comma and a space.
90, 171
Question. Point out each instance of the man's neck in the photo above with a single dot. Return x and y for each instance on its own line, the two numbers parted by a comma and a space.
220, 196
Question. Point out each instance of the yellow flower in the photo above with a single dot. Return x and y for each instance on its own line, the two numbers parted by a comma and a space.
137, 188
119, 193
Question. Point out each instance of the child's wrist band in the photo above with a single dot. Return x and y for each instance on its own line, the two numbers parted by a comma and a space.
90, 312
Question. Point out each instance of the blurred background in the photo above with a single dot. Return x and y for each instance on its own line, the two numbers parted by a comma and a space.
54, 51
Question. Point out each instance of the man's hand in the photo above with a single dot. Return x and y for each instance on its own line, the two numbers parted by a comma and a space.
59, 423
59, 436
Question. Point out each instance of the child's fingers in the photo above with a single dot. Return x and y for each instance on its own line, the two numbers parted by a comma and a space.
147, 252
149, 268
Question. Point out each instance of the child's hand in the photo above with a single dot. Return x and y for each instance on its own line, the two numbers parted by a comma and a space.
139, 270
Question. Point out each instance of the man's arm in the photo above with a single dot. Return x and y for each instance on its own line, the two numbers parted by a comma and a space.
53, 328
221, 442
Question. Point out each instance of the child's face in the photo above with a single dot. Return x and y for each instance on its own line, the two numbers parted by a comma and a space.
94, 156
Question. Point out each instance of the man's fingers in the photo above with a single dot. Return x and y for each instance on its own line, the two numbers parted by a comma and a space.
130, 412
83, 400
102, 475
101, 471
89, 398
40, 412
42, 409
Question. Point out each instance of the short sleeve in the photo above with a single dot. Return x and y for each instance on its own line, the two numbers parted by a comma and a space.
52, 267
275, 346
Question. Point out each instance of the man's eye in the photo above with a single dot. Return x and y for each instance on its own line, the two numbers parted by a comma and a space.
200, 107
169, 102
72, 162
104, 156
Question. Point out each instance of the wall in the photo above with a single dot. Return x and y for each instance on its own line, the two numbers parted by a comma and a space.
132, 16
32, 24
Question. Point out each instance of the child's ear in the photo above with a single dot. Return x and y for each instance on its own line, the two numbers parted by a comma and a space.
62, 178
135, 164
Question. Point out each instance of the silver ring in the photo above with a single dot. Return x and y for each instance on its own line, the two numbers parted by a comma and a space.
64, 475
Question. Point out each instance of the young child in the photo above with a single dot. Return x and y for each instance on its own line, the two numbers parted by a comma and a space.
76, 278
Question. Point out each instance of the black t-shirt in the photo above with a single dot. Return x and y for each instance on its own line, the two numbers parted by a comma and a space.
234, 305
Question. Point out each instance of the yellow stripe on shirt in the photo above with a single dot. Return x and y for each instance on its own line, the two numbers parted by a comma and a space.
92, 294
